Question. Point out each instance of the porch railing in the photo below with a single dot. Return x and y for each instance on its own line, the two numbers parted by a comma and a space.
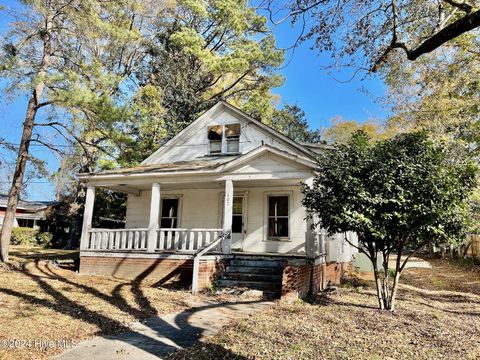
196, 257
185, 239
117, 239
167, 239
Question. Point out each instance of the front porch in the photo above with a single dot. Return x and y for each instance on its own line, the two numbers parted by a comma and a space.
193, 227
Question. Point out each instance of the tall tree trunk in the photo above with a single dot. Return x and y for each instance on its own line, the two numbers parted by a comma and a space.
17, 182
28, 124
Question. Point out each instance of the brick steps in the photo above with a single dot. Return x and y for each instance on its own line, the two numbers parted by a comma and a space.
246, 276
253, 270
255, 274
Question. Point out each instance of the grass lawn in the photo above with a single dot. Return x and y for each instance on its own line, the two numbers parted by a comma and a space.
437, 317
46, 302
23, 254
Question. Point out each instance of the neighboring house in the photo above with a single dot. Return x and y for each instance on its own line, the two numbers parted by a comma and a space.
222, 197
32, 214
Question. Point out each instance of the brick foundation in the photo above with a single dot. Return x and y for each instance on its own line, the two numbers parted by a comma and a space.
156, 271
301, 279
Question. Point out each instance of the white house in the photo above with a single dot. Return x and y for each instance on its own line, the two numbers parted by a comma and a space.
223, 198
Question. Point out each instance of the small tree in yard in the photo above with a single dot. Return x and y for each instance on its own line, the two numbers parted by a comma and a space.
397, 195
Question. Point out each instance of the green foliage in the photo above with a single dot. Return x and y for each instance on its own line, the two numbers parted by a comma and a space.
440, 93
396, 194
367, 35
203, 52
43, 239
109, 209
291, 122
30, 237
23, 236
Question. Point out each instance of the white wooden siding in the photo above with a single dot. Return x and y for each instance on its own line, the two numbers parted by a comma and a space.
201, 209
196, 144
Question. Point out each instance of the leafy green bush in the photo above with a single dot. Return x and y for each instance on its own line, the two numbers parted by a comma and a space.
43, 238
30, 237
24, 236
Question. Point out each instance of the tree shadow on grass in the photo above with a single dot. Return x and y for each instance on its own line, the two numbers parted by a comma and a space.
429, 298
324, 299
170, 335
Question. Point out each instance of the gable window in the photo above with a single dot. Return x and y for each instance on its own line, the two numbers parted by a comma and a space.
169, 218
278, 210
232, 134
215, 139
224, 139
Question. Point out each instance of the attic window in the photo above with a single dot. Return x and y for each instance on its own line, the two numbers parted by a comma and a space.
224, 138
215, 133
232, 133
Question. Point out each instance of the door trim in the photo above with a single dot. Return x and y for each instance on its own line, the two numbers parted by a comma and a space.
244, 195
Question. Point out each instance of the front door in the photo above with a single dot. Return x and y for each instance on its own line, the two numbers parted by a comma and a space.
238, 223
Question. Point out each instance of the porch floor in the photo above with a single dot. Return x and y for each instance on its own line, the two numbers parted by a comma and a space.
189, 254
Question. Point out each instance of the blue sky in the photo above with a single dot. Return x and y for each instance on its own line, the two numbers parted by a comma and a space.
321, 95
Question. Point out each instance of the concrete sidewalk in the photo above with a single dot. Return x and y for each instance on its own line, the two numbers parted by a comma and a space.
159, 336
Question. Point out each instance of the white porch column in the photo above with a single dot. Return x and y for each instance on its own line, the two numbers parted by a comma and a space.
87, 217
227, 217
311, 233
154, 215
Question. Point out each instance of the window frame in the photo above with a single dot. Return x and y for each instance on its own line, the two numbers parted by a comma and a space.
179, 211
268, 195
225, 140
222, 135
233, 138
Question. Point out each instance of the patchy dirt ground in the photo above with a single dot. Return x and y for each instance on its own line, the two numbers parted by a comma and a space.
44, 302
437, 317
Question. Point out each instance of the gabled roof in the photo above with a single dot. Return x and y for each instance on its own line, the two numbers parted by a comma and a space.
27, 205
203, 164
222, 105
200, 163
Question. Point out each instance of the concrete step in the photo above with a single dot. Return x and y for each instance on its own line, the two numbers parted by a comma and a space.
244, 276
257, 285
256, 263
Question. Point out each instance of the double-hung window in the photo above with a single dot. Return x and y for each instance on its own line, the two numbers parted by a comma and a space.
215, 136
278, 214
232, 134
224, 139
169, 218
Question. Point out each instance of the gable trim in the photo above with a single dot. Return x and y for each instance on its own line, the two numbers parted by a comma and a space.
268, 129
239, 113
266, 149
177, 138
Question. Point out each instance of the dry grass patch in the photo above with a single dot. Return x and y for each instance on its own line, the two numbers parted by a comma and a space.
428, 324
24, 254
46, 302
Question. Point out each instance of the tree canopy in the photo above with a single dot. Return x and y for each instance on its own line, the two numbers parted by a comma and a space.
396, 194
292, 122
366, 34
341, 130
440, 93
203, 52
